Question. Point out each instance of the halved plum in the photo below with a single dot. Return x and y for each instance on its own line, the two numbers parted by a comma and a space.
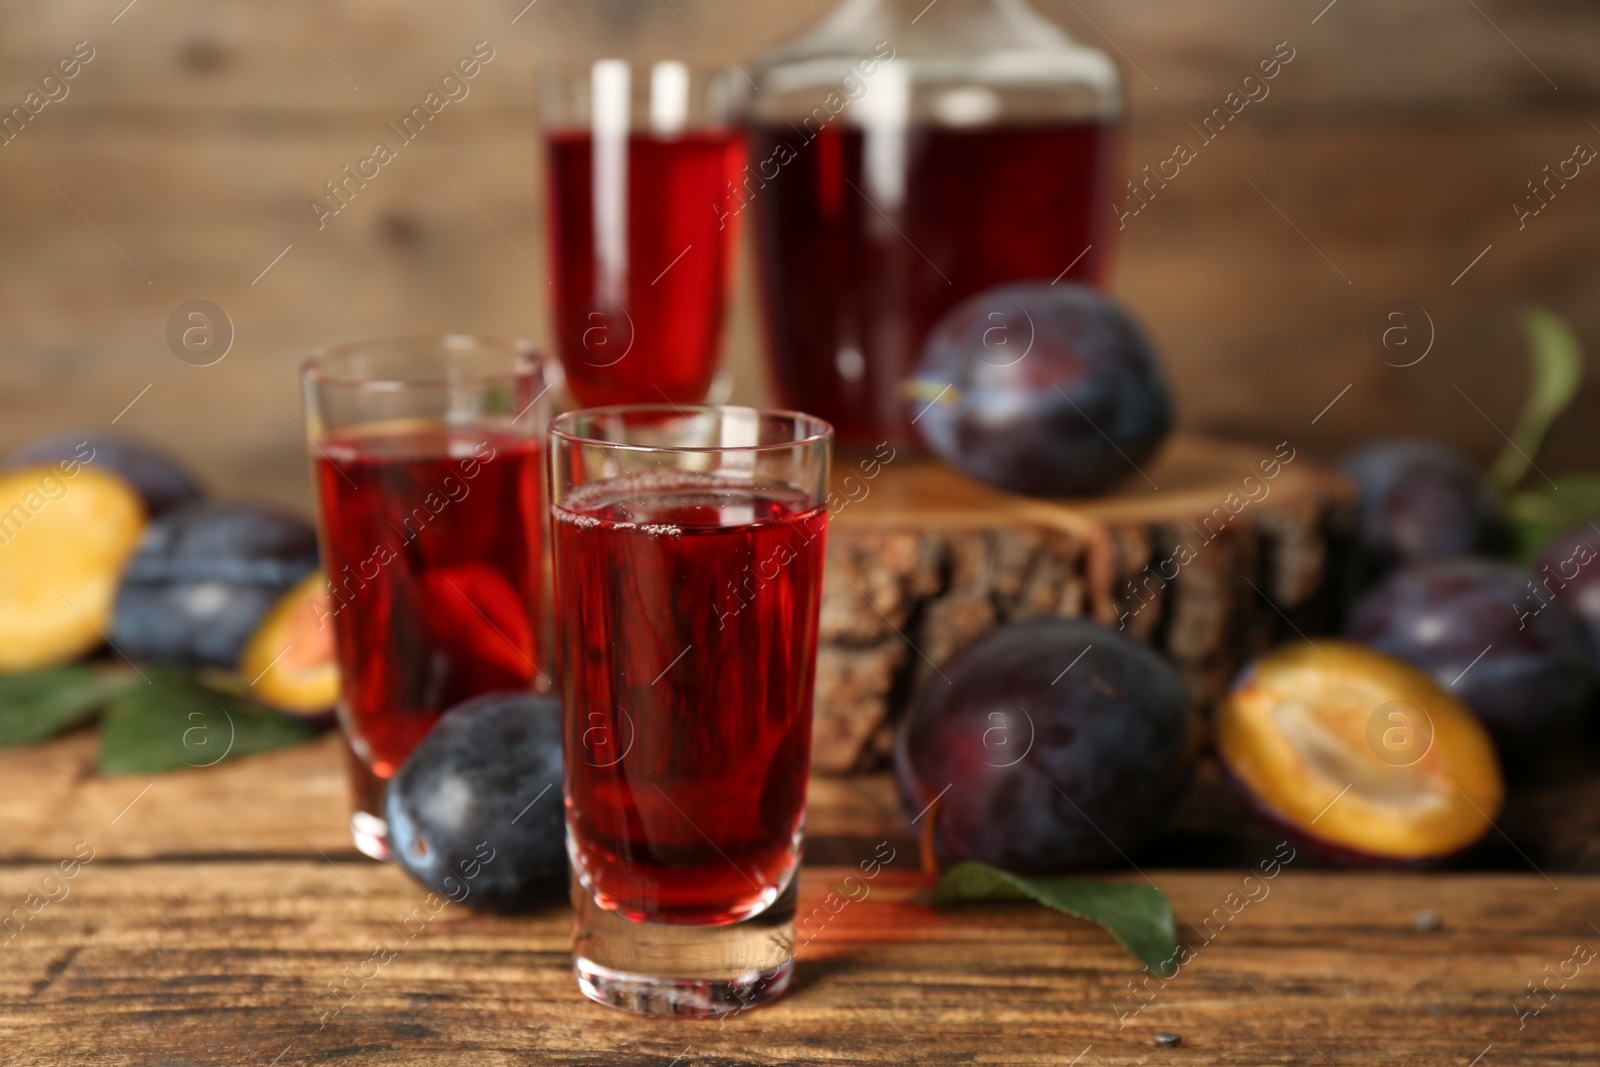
477, 614
64, 542
289, 661
1359, 753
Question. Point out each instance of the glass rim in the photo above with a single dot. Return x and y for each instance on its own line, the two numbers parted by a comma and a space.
821, 430
570, 68
529, 361
714, 94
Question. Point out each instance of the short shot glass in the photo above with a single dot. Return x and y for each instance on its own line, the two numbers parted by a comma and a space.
688, 549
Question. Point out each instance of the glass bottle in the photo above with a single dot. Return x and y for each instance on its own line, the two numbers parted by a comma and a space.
905, 155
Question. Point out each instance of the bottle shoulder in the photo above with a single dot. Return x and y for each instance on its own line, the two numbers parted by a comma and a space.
997, 57
928, 28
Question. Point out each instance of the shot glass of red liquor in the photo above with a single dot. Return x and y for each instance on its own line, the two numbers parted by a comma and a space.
427, 461
641, 164
688, 548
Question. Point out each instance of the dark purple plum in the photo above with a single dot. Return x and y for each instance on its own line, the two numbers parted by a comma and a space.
1570, 570
1051, 390
160, 482
476, 813
204, 577
1420, 500
1056, 745
1520, 664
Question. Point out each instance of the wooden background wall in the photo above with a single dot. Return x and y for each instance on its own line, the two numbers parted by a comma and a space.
180, 164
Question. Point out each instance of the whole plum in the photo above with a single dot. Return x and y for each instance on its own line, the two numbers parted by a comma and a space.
1420, 500
1570, 570
1520, 664
476, 811
1057, 745
160, 482
204, 577
1041, 389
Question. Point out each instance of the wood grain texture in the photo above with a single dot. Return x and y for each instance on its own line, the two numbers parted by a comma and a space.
208, 921
215, 963
221, 903
285, 803
217, 909
282, 803
1395, 144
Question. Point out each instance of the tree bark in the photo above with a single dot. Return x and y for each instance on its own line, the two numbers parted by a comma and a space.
1212, 554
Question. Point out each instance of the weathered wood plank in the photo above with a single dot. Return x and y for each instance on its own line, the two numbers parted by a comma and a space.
290, 802
293, 803
202, 963
1396, 142
213, 912
1259, 331
195, 54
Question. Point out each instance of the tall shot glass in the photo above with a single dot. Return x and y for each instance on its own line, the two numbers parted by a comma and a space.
688, 548
643, 166
427, 457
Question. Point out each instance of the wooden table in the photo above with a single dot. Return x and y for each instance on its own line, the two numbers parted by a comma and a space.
220, 904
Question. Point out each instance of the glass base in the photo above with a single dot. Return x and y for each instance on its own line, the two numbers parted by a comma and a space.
368, 829
670, 969
370, 834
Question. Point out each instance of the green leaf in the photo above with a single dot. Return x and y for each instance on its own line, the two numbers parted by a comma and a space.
175, 721
41, 704
1538, 515
1556, 361
1139, 917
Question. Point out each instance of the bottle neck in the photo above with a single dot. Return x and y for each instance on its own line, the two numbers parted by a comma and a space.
953, 10
941, 25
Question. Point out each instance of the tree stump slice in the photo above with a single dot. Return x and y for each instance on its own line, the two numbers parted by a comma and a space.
1205, 557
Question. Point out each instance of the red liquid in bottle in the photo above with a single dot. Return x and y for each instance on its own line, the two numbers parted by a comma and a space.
688, 645
639, 320
434, 551
851, 288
